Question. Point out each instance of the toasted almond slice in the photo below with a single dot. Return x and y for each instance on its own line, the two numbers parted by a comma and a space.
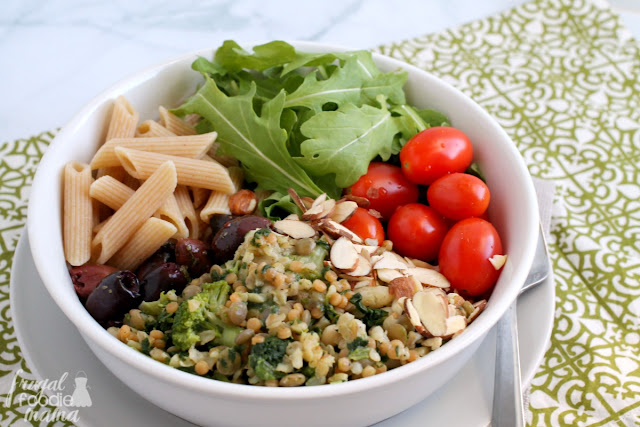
319, 200
337, 230
319, 211
433, 311
374, 213
292, 217
307, 202
369, 248
389, 260
480, 306
429, 277
402, 287
363, 268
296, 199
388, 274
361, 201
294, 228
498, 261
414, 318
436, 291
418, 263
455, 324
344, 210
344, 255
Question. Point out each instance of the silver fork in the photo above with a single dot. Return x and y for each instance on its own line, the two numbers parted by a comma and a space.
508, 409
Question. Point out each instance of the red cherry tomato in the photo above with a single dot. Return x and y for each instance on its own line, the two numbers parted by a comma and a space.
417, 231
464, 256
435, 152
386, 188
459, 196
365, 225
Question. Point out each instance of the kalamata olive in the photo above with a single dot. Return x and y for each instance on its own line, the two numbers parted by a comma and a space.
195, 255
166, 253
218, 220
86, 277
114, 296
164, 278
231, 235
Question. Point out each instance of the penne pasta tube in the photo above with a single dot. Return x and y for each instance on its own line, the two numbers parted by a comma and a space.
188, 211
124, 120
191, 172
194, 146
151, 128
200, 196
134, 212
144, 242
218, 203
114, 194
175, 124
77, 213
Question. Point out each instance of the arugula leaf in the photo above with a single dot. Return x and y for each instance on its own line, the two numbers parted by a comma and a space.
411, 121
234, 58
278, 206
258, 142
345, 141
372, 316
433, 118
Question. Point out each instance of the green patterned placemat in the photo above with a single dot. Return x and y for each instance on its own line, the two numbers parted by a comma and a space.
561, 77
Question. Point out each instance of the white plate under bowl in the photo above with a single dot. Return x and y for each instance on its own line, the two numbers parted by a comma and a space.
54, 347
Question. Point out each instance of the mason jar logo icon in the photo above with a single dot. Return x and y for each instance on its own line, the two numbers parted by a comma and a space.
80, 397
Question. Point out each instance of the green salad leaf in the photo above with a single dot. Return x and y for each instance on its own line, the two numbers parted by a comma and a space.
257, 141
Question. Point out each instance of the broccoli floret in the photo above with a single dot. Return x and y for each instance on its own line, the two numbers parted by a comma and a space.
317, 257
202, 313
265, 356
372, 316
154, 308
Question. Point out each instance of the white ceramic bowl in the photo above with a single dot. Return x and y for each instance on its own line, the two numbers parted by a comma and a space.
208, 402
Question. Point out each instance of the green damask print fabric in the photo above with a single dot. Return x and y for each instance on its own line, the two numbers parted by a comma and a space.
562, 77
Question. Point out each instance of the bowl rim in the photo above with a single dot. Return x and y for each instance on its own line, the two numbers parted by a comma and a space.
92, 331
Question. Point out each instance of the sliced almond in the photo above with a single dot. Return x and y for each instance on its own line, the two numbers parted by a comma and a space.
294, 228
418, 263
480, 306
336, 230
292, 217
361, 201
433, 311
344, 210
319, 200
344, 255
388, 274
319, 211
498, 261
363, 268
296, 199
369, 248
307, 202
429, 277
455, 324
374, 213
414, 318
389, 260
371, 242
402, 287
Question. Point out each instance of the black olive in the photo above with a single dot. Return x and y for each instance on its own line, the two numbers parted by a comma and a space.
116, 294
231, 235
164, 278
195, 255
166, 253
87, 277
217, 221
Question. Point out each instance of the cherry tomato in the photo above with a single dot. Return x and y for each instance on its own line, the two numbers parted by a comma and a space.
386, 188
417, 231
365, 225
435, 152
459, 196
464, 256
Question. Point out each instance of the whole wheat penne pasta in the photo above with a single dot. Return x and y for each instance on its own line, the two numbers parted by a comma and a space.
188, 211
200, 196
144, 242
124, 120
218, 203
115, 171
114, 194
191, 172
77, 213
135, 211
151, 128
98, 227
174, 123
193, 146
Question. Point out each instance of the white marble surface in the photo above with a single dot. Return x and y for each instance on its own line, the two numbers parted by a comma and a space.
56, 55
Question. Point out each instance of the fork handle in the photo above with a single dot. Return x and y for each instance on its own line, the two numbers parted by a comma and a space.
508, 410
